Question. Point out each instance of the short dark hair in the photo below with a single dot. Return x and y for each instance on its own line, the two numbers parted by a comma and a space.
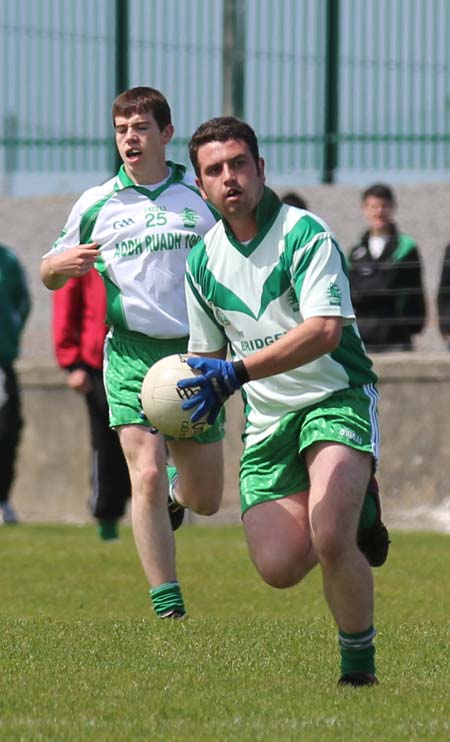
221, 129
379, 190
143, 100
293, 199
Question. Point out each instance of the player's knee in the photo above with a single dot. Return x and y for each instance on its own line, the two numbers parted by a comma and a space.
201, 502
329, 543
205, 508
147, 483
280, 574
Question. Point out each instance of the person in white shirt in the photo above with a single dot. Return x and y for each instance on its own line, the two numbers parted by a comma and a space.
137, 231
268, 283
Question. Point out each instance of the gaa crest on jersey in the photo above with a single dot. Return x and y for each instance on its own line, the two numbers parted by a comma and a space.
189, 218
221, 318
334, 294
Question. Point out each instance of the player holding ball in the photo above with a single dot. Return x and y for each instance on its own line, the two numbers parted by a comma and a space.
269, 283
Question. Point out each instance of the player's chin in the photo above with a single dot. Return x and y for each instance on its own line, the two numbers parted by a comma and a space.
232, 206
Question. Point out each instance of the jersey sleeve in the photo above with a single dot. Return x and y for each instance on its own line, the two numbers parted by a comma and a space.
70, 233
321, 280
205, 334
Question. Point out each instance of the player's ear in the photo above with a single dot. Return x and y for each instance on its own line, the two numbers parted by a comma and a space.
261, 169
167, 134
198, 183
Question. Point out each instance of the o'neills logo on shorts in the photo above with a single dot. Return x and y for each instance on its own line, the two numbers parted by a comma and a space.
351, 435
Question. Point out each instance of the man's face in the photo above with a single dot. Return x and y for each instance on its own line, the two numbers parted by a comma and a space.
140, 141
379, 213
230, 178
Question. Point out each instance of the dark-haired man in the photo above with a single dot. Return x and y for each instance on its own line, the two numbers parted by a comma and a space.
137, 230
386, 277
268, 283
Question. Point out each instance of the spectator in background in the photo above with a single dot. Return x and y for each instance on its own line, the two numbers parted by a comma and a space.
79, 330
444, 298
293, 199
386, 277
15, 304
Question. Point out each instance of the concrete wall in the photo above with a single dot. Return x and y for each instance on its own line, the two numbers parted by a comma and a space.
30, 225
53, 471
52, 481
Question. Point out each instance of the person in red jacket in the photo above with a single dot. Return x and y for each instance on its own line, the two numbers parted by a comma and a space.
79, 330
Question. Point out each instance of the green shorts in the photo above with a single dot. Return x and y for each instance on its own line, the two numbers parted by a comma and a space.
274, 467
128, 357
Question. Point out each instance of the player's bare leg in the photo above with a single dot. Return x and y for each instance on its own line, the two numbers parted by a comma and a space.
339, 477
279, 540
146, 457
338, 482
199, 484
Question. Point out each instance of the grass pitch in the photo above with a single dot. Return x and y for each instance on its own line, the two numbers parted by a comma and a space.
83, 658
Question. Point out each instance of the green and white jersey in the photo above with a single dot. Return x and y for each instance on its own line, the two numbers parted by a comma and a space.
145, 235
250, 295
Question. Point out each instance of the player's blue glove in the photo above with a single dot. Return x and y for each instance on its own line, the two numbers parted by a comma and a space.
219, 380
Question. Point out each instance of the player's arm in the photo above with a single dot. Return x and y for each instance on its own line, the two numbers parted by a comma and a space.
71, 263
220, 378
314, 338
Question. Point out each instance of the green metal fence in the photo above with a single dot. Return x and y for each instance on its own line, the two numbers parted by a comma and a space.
336, 89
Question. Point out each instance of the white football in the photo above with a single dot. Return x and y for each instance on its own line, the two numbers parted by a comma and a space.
161, 398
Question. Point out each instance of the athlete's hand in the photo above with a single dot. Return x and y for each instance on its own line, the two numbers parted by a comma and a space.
79, 380
75, 262
217, 382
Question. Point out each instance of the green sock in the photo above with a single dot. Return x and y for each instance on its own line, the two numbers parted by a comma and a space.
167, 598
108, 530
368, 512
357, 651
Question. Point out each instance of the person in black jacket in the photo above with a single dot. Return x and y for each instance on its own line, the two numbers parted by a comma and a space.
444, 298
293, 199
385, 276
